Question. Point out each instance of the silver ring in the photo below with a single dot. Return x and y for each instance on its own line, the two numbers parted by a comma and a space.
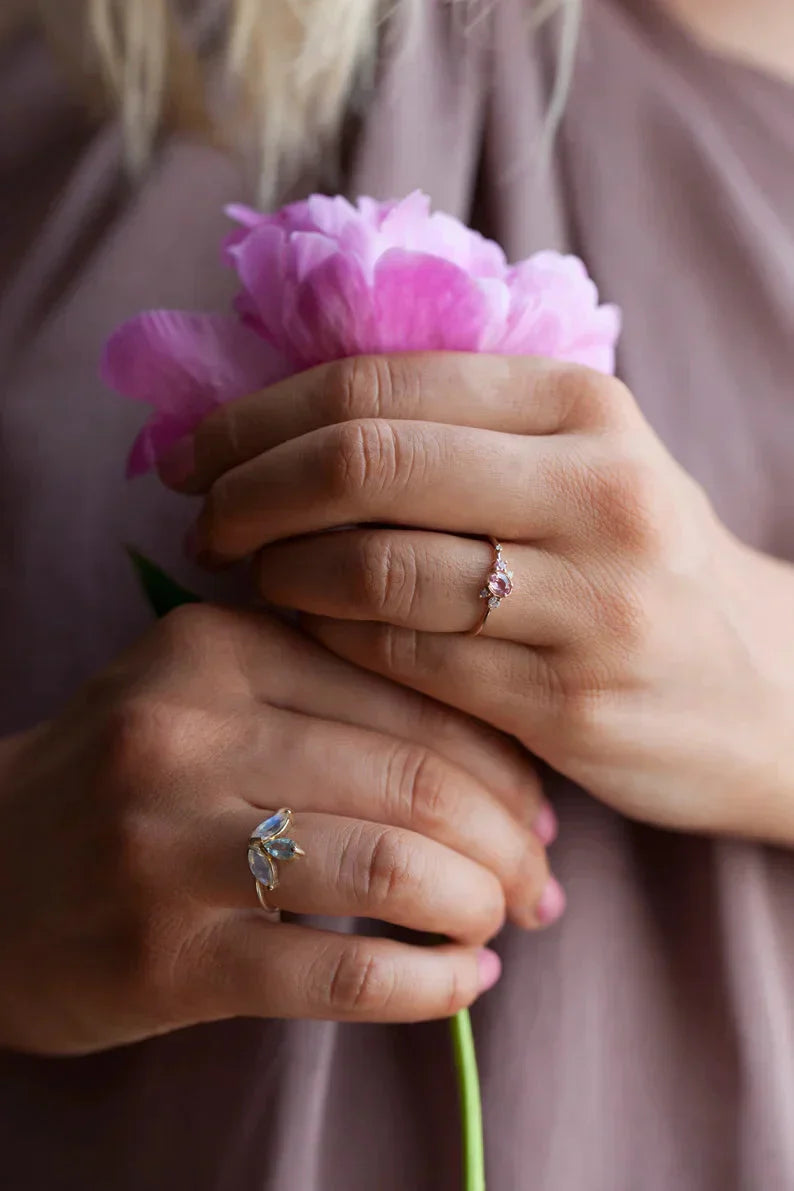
268, 845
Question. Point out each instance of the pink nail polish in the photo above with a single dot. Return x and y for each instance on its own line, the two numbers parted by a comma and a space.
546, 825
490, 968
552, 903
179, 463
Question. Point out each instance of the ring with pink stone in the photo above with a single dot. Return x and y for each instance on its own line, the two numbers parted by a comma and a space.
498, 586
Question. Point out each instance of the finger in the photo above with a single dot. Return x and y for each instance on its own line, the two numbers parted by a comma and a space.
282, 666
254, 969
515, 394
502, 683
392, 782
426, 581
418, 474
355, 868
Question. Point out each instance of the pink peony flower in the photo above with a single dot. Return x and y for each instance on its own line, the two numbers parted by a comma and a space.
323, 279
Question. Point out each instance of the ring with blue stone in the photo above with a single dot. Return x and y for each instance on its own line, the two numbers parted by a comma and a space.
269, 843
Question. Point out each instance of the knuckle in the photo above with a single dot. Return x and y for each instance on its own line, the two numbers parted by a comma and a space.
489, 909
385, 578
590, 398
358, 387
360, 983
419, 782
389, 869
396, 651
624, 498
151, 742
605, 400
188, 628
363, 457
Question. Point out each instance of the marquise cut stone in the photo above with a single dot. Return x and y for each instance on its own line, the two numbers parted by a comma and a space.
261, 867
271, 826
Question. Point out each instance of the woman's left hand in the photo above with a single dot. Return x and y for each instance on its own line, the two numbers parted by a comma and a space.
643, 651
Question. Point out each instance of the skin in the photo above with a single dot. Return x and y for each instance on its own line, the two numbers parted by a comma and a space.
142, 916
758, 32
645, 652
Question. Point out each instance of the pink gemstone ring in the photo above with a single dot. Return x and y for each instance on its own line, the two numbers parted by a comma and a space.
498, 586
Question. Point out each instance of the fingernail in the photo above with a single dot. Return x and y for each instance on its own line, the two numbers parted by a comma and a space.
489, 967
546, 825
178, 464
552, 903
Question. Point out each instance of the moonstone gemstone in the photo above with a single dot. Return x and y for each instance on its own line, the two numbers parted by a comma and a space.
499, 584
271, 826
261, 867
280, 849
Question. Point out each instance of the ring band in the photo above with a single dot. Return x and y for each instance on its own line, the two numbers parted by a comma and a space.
268, 844
498, 587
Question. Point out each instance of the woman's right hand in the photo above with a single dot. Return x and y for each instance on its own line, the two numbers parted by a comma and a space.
127, 904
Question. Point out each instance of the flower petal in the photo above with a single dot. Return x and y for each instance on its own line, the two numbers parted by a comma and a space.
262, 263
184, 365
331, 316
424, 303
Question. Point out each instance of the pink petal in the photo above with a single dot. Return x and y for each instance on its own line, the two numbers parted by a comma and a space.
184, 365
157, 437
262, 262
242, 214
329, 215
309, 250
373, 211
423, 303
404, 221
330, 316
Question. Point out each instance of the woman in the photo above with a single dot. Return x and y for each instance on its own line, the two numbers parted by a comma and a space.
646, 654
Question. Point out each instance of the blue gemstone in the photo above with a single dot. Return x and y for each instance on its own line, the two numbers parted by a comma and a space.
280, 849
271, 826
262, 867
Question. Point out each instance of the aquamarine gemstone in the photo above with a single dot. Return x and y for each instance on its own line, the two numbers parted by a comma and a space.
262, 867
271, 826
280, 849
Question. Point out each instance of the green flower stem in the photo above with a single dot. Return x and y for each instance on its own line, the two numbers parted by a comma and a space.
470, 1103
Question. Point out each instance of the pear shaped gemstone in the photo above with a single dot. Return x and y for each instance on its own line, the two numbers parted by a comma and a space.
281, 848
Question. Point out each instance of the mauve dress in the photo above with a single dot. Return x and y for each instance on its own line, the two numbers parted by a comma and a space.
647, 1042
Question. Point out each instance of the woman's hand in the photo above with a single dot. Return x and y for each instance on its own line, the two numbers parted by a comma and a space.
127, 904
643, 651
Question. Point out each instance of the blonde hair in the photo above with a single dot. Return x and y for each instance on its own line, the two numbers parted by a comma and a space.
292, 65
